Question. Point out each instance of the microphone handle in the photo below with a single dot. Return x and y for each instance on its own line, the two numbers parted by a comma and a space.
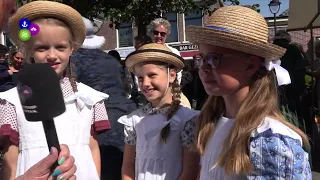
52, 138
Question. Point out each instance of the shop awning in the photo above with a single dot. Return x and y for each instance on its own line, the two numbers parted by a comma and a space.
301, 12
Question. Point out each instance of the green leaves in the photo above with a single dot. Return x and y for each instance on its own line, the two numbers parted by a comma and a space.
141, 12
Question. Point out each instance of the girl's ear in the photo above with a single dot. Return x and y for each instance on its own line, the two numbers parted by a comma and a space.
172, 75
253, 65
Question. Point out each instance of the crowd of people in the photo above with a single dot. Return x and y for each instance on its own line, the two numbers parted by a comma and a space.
153, 115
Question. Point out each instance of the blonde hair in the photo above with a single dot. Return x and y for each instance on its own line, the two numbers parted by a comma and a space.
175, 105
27, 48
261, 102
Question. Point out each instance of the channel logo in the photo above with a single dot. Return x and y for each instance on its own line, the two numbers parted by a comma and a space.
27, 29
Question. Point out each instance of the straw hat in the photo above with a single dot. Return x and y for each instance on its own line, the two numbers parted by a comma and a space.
154, 52
45, 9
237, 28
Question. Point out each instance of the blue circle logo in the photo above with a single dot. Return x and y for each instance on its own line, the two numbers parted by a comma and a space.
24, 23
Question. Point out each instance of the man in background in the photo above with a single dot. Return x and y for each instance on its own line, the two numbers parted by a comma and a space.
100, 71
6, 82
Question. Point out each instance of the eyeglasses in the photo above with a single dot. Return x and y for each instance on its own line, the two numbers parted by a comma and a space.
213, 60
163, 34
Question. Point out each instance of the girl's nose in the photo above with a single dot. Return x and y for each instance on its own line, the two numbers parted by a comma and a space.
146, 82
51, 55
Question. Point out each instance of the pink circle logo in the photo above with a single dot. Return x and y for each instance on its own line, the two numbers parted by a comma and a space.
24, 92
34, 29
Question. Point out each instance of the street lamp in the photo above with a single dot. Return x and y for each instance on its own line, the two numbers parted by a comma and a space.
274, 7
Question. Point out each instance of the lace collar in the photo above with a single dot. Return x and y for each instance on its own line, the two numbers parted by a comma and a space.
148, 109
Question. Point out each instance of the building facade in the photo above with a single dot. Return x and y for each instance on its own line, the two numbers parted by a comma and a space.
122, 39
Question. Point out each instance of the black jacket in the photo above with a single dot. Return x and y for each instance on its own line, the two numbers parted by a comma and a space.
6, 82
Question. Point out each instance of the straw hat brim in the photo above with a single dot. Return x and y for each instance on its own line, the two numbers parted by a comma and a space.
235, 41
47, 9
153, 55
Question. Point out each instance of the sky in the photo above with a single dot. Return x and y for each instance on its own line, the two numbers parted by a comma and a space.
264, 8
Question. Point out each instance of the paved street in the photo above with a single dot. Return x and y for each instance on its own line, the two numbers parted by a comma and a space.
315, 176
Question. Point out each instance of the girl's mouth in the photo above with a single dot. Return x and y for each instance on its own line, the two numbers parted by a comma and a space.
54, 65
148, 91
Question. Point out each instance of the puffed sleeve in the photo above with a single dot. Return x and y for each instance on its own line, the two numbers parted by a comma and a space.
187, 135
100, 121
130, 136
278, 156
8, 122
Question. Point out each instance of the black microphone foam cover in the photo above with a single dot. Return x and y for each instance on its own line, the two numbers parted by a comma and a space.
40, 92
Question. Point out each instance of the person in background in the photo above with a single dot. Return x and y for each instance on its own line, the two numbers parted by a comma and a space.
41, 170
6, 82
192, 86
303, 53
101, 71
293, 62
126, 77
141, 40
159, 29
15, 62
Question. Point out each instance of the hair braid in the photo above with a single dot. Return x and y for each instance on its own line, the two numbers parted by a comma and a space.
72, 76
176, 91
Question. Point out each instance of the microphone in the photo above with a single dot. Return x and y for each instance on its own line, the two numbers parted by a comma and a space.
41, 99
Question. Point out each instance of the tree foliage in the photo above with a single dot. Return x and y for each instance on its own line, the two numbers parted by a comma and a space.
141, 12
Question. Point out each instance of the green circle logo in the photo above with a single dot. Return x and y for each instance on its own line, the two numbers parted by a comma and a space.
24, 34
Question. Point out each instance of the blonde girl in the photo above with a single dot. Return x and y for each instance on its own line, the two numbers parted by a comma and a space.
241, 134
159, 135
62, 31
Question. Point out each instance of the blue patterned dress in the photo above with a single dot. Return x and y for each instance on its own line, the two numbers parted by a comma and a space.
276, 153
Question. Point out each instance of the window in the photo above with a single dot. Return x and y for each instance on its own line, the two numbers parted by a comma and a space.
172, 18
194, 18
125, 36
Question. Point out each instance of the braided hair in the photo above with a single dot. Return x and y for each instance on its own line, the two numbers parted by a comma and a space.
71, 75
174, 107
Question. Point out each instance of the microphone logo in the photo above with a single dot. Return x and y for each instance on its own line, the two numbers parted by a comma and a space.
24, 92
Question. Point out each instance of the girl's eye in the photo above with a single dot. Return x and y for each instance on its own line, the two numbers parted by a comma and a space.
61, 48
152, 75
41, 49
140, 79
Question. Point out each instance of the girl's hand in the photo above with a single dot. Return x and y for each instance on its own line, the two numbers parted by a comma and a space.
41, 171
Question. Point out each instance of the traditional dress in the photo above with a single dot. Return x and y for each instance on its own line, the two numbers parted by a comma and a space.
275, 153
85, 115
156, 160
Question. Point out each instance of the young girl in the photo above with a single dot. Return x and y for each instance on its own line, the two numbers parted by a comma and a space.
159, 135
62, 31
241, 134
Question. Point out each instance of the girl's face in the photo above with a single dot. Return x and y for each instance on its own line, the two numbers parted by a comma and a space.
153, 82
52, 46
229, 71
18, 58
